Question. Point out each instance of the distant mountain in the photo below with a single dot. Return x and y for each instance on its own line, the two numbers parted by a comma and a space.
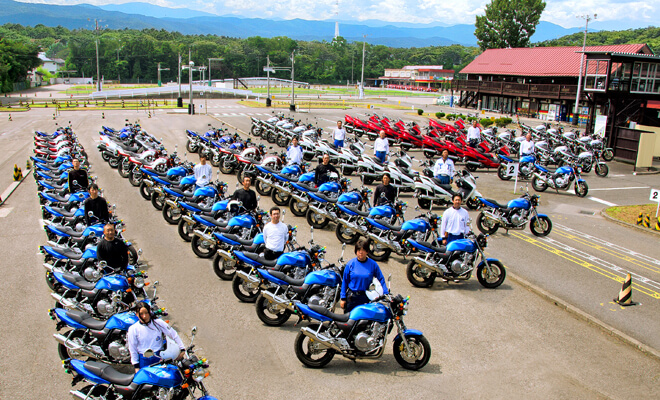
143, 15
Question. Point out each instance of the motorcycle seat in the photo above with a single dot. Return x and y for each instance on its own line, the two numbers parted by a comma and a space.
79, 281
308, 187
324, 311
327, 198
236, 238
408, 172
58, 197
68, 253
70, 231
358, 212
438, 249
259, 259
64, 211
395, 228
503, 206
446, 187
218, 223
108, 373
286, 278
180, 191
85, 319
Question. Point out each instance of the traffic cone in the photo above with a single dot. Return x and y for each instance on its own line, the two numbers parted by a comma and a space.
639, 219
17, 175
657, 224
149, 114
10, 117
103, 117
28, 165
625, 295
53, 116
647, 221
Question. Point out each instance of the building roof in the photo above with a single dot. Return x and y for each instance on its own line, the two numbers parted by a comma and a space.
541, 61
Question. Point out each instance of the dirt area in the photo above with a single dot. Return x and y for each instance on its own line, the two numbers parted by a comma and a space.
631, 213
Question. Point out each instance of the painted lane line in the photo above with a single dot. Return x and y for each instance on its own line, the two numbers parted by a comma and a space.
607, 203
4, 211
617, 176
600, 241
622, 188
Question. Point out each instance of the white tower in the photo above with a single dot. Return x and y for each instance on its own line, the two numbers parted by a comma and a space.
337, 20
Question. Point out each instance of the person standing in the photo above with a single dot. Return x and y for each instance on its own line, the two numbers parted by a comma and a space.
321, 171
527, 146
381, 147
96, 205
385, 193
149, 333
276, 234
294, 154
444, 169
454, 221
78, 175
359, 273
203, 172
112, 250
474, 135
246, 195
339, 135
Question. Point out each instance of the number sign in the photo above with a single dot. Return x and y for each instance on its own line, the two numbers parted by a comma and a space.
655, 195
512, 169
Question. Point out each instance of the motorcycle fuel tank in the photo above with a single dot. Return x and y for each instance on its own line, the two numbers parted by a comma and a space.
381, 211
188, 180
370, 312
205, 191
463, 245
324, 277
419, 225
89, 252
296, 258
112, 283
291, 170
166, 376
519, 203
176, 171
122, 321
220, 206
244, 221
329, 187
566, 170
96, 229
350, 197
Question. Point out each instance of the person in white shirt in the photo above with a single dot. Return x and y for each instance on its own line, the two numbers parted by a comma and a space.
381, 147
294, 153
276, 234
149, 333
454, 221
473, 135
527, 146
203, 172
339, 135
444, 169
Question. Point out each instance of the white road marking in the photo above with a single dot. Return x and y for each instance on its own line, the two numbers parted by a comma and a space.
9, 190
622, 188
607, 203
5, 211
617, 176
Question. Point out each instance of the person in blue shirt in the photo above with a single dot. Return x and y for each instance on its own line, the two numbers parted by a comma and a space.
358, 275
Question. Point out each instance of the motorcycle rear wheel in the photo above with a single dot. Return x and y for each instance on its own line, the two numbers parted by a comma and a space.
113, 162
226, 167
243, 293
202, 248
105, 156
216, 160
279, 199
158, 201
145, 191
538, 184
316, 220
491, 282
65, 353
378, 252
581, 189
486, 225
223, 268
282, 141
608, 155
602, 170
540, 226
170, 215
134, 180
424, 204
190, 148
306, 350
421, 350
124, 170
298, 208
267, 316
262, 188
185, 230
132, 255
418, 277
346, 235
271, 137
501, 173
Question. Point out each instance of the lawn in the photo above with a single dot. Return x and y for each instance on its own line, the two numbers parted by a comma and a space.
629, 214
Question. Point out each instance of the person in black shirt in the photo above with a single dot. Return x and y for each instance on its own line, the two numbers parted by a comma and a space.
321, 171
97, 205
385, 189
246, 195
79, 175
112, 250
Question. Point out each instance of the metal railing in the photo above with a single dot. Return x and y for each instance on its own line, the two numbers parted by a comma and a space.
554, 91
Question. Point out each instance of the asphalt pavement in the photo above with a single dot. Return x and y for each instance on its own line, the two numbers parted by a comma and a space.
501, 343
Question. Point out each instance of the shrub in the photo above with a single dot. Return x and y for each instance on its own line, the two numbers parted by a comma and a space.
486, 122
503, 122
470, 119
420, 111
439, 115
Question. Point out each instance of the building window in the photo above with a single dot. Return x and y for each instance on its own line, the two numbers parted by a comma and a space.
596, 75
620, 77
645, 78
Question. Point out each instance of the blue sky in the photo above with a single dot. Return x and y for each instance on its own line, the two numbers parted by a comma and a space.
612, 14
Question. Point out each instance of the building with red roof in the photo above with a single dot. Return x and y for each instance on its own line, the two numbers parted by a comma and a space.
416, 77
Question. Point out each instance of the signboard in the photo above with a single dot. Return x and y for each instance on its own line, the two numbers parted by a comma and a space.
512, 169
268, 69
601, 124
655, 196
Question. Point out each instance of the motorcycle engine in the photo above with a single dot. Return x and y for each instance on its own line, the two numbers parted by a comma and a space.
165, 394
519, 217
92, 274
118, 351
370, 339
561, 181
462, 264
106, 308
324, 298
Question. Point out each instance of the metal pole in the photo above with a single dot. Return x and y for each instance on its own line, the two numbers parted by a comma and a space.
159, 82
179, 75
98, 69
190, 72
209, 76
293, 104
364, 44
268, 77
579, 88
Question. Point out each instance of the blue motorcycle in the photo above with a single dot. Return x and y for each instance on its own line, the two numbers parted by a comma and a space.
514, 215
187, 225
454, 262
360, 334
160, 381
560, 179
525, 167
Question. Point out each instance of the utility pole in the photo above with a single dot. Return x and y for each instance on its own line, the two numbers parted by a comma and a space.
268, 79
292, 107
579, 88
98, 69
364, 44
190, 72
161, 69
179, 75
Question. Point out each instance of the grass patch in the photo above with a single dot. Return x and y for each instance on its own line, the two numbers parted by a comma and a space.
629, 214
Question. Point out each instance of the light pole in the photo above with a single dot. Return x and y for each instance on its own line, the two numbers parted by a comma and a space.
98, 69
268, 70
161, 69
212, 59
179, 75
364, 44
579, 88
191, 65
292, 106
202, 70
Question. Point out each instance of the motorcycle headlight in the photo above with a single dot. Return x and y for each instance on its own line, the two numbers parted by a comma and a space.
138, 282
199, 374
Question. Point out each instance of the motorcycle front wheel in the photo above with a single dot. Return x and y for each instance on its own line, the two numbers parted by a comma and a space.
346, 235
424, 204
315, 219
185, 230
486, 225
472, 203
158, 201
298, 208
145, 191
132, 255
280, 198
124, 169
378, 252
203, 248
419, 276
271, 137
540, 226
190, 147
311, 352
581, 189
171, 215
608, 155
282, 141
262, 188
602, 170
420, 352
243, 292
488, 279
225, 269
113, 162
216, 159
538, 184
268, 314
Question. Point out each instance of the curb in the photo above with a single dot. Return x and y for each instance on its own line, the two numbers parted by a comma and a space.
13, 187
629, 225
606, 328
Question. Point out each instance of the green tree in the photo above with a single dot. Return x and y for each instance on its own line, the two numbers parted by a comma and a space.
508, 23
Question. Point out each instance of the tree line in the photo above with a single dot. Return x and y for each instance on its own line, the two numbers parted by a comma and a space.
17, 57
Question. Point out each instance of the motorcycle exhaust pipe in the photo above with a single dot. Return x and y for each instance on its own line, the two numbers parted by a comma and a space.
203, 235
66, 303
263, 180
49, 267
380, 240
299, 198
281, 303
250, 279
422, 261
188, 219
171, 203
77, 394
73, 346
325, 341
224, 254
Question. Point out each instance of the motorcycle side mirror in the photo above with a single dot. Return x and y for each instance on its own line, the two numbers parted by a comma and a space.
416, 208
148, 353
194, 330
103, 264
139, 252
89, 214
389, 282
283, 211
258, 198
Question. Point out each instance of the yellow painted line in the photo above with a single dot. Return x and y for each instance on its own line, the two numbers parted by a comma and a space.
585, 264
607, 250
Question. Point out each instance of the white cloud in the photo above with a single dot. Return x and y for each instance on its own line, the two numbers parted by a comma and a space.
561, 12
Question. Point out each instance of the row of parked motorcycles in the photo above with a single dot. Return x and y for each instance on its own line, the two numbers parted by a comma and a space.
95, 302
299, 282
